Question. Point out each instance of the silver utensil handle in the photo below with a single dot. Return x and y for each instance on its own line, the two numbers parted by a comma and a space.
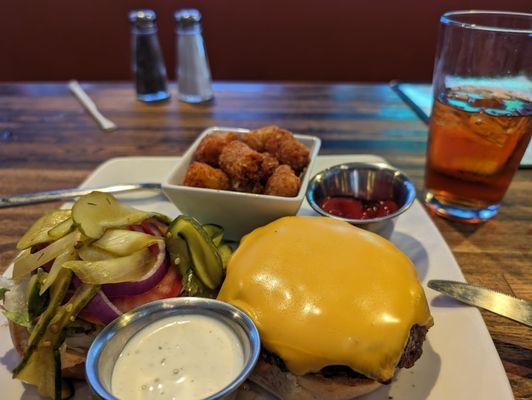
65, 194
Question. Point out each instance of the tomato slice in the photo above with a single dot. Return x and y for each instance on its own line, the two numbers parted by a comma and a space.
89, 317
169, 286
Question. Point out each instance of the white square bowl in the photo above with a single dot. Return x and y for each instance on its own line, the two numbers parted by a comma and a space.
238, 213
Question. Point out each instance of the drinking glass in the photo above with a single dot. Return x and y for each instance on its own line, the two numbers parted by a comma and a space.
481, 118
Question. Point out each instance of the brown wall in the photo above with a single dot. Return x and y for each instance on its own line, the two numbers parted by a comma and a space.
326, 40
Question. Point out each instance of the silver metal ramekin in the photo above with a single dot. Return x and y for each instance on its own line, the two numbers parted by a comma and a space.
108, 345
366, 181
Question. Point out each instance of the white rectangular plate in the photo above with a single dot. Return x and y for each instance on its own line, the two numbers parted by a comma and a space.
459, 360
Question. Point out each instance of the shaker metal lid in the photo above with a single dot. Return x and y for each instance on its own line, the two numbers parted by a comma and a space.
187, 17
143, 17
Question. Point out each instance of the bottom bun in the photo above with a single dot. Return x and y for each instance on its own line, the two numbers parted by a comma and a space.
288, 386
72, 362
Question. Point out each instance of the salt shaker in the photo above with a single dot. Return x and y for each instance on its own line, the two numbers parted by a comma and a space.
147, 60
193, 74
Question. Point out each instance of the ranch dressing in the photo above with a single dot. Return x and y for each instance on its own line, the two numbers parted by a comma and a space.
181, 357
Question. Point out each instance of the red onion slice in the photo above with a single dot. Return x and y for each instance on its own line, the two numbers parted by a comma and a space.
100, 307
148, 281
153, 223
151, 228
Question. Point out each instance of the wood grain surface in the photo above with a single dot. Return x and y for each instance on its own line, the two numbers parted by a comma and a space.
48, 141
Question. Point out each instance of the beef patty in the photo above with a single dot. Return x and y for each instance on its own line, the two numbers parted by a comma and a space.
412, 351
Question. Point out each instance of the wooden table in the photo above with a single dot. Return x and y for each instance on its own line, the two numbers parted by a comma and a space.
48, 141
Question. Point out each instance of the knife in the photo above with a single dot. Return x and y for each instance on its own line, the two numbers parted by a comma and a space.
502, 304
65, 194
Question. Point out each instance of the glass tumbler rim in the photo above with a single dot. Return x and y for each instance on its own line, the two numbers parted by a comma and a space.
449, 18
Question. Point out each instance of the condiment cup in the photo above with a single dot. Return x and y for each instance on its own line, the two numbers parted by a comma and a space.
239, 213
108, 345
365, 181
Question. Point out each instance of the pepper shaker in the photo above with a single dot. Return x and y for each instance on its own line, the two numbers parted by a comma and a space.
148, 66
193, 74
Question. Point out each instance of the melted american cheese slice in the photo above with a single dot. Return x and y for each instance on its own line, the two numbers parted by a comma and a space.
323, 292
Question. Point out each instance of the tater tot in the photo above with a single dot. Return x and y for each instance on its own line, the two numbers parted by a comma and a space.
246, 187
256, 139
211, 146
281, 144
242, 164
275, 138
293, 153
269, 164
204, 176
284, 182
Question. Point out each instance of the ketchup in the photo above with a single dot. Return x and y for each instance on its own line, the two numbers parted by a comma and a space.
353, 208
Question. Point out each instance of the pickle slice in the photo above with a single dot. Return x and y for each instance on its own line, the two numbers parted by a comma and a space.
98, 211
180, 256
225, 253
41, 370
57, 291
41, 364
178, 251
215, 232
206, 261
62, 229
69, 254
37, 300
57, 294
39, 231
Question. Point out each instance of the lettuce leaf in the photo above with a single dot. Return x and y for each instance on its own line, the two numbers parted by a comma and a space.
21, 318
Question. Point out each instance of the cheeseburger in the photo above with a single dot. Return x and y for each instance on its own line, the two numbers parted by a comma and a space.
338, 308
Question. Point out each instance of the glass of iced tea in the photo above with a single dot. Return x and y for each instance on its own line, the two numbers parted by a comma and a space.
482, 114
